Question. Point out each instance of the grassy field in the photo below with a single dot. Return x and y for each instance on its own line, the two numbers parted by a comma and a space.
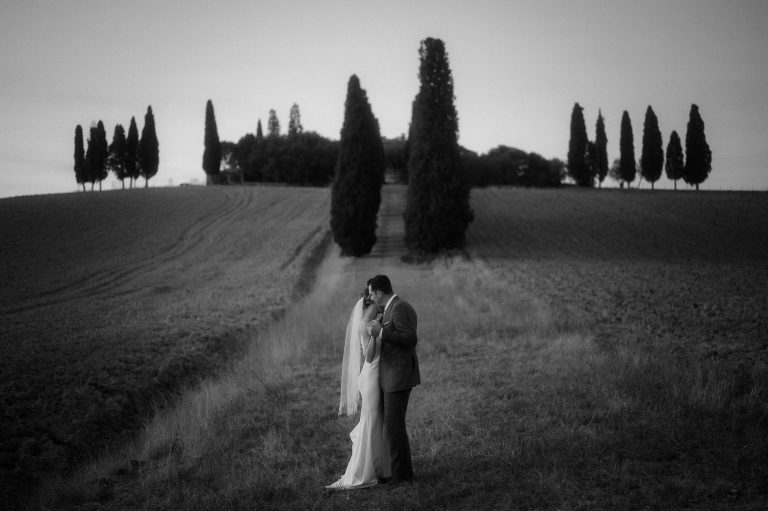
111, 302
596, 350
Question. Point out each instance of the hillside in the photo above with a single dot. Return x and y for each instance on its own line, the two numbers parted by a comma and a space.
111, 302
564, 366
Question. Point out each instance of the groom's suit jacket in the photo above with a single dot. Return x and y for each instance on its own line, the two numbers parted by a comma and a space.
399, 366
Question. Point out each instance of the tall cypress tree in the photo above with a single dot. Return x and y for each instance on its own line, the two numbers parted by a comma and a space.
601, 150
674, 165
652, 156
294, 124
212, 152
627, 166
259, 131
132, 152
96, 155
577, 149
437, 211
80, 167
149, 149
91, 156
116, 158
698, 157
100, 170
359, 173
273, 125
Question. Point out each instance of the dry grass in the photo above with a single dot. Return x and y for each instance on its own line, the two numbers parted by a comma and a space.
519, 410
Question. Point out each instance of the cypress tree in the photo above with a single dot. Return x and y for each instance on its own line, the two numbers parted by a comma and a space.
294, 124
674, 165
90, 156
577, 149
80, 170
698, 157
96, 155
132, 152
149, 149
652, 157
212, 152
100, 169
627, 166
116, 158
273, 125
259, 132
601, 150
437, 211
359, 173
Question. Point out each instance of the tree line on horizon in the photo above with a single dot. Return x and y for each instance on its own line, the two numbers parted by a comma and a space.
128, 157
588, 161
306, 158
297, 157
437, 211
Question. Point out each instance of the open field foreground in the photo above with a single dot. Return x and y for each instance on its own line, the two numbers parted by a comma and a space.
564, 366
113, 301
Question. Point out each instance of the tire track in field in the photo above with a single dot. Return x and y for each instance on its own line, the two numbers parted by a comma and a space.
297, 251
95, 284
114, 282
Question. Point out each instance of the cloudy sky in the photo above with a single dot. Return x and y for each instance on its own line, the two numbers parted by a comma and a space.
518, 66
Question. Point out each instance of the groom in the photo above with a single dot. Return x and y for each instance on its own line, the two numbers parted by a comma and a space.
398, 370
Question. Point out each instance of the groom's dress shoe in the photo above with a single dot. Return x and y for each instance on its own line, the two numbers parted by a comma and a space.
385, 480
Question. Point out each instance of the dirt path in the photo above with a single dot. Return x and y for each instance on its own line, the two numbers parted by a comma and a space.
390, 231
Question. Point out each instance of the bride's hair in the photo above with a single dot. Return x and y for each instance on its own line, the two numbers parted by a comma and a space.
367, 300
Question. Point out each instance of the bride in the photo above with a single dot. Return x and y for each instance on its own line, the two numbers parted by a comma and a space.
370, 461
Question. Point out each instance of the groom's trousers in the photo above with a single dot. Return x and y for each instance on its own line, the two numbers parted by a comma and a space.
395, 406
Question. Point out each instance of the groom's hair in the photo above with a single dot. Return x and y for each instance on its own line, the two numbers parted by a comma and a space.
381, 283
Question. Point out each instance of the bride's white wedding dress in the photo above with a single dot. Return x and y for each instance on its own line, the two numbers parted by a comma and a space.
370, 455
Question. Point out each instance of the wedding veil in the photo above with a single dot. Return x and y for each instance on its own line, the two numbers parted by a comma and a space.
350, 366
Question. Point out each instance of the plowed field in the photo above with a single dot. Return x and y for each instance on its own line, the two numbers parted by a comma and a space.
685, 272
110, 302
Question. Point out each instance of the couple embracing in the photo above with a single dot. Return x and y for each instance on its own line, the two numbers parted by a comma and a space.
381, 334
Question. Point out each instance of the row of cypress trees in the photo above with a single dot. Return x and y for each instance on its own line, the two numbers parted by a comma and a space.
128, 157
437, 211
588, 161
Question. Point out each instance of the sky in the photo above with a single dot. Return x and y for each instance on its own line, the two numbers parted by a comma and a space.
518, 69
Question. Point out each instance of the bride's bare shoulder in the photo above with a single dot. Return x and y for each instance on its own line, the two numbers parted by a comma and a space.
370, 312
